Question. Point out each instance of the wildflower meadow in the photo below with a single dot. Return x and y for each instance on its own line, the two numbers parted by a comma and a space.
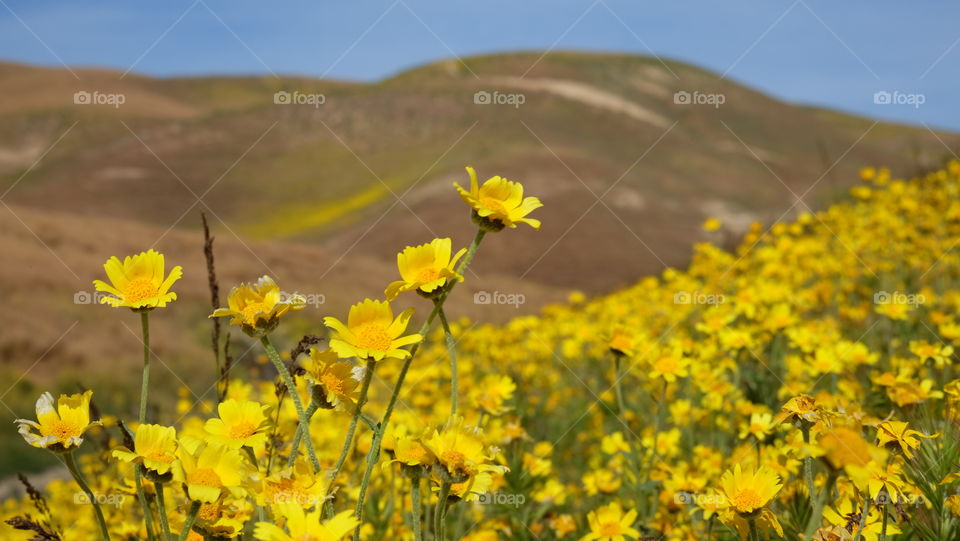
799, 386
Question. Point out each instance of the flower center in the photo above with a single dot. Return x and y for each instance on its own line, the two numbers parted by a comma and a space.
63, 430
373, 336
209, 511
610, 529
747, 500
242, 430
251, 310
160, 456
427, 275
138, 290
493, 204
204, 477
454, 460
333, 383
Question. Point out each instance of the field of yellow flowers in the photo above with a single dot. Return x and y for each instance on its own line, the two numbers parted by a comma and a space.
800, 387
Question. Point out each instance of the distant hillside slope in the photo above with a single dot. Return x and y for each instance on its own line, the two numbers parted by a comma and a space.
324, 196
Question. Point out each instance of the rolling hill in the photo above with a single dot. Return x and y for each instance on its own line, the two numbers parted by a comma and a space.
322, 196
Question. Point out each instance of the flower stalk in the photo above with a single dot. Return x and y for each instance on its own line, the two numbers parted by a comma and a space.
298, 404
91, 497
374, 456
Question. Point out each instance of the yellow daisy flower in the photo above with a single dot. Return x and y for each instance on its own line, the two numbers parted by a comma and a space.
296, 484
241, 423
306, 525
748, 491
425, 268
154, 446
138, 282
610, 523
257, 307
498, 203
622, 342
371, 332
896, 434
209, 471
59, 426
333, 377
458, 449
409, 451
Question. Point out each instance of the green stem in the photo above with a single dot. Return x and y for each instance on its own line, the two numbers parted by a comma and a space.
374, 456
655, 458
808, 465
78, 477
863, 517
162, 511
452, 351
292, 388
816, 517
441, 512
145, 386
311, 409
883, 528
144, 504
369, 422
188, 523
351, 431
754, 533
415, 496
621, 406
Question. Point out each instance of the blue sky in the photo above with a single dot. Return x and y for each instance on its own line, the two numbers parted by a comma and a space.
830, 53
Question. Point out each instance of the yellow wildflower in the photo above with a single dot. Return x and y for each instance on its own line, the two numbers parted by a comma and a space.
257, 307
59, 426
499, 203
241, 423
154, 446
372, 332
425, 268
138, 282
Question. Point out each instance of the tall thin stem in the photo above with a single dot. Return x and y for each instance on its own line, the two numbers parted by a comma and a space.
452, 351
415, 496
188, 523
311, 409
292, 389
144, 504
351, 431
621, 406
863, 517
441, 512
883, 528
374, 455
162, 511
145, 386
78, 477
